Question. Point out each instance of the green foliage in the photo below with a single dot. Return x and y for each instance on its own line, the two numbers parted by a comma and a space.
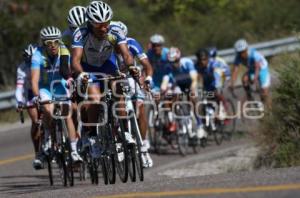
280, 134
188, 24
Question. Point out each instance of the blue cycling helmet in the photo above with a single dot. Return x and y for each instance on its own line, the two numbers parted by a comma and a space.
213, 51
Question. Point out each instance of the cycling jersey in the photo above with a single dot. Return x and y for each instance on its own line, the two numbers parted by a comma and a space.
253, 58
161, 66
181, 76
23, 91
98, 54
50, 72
137, 52
222, 70
209, 76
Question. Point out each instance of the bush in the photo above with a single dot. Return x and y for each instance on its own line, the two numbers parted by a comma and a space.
279, 136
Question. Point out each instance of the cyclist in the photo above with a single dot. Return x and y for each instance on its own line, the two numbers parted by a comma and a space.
208, 71
185, 77
24, 97
158, 57
222, 65
76, 18
257, 70
137, 52
93, 51
47, 81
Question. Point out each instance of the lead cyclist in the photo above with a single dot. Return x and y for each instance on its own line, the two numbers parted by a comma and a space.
93, 51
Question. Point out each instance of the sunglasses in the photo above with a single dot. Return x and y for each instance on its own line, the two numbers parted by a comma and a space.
50, 43
100, 25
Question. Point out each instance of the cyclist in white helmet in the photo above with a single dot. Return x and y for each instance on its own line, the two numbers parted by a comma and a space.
257, 70
24, 97
46, 66
93, 50
76, 18
137, 52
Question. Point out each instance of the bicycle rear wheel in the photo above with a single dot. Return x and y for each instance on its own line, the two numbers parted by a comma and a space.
219, 133
50, 172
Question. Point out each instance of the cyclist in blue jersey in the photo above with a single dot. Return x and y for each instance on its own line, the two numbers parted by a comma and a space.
137, 52
158, 57
93, 51
76, 18
211, 75
184, 77
257, 70
24, 96
223, 67
47, 80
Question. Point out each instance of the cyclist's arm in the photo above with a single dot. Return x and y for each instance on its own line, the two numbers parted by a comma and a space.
35, 76
147, 66
257, 68
128, 60
165, 83
20, 84
76, 60
64, 69
194, 78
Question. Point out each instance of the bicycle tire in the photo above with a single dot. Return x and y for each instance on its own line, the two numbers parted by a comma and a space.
219, 133
182, 137
138, 153
104, 170
50, 171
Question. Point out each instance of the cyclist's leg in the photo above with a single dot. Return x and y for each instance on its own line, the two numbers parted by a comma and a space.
265, 82
246, 81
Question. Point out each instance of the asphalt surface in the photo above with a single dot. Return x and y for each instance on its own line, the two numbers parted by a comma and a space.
18, 179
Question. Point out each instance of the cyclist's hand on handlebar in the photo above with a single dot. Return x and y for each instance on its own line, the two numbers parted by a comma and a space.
148, 83
83, 77
19, 106
134, 72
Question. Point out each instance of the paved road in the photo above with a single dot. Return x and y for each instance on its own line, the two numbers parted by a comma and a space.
18, 179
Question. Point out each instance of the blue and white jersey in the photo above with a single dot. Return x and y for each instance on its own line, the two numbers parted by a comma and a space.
136, 49
253, 58
24, 76
209, 76
160, 64
97, 51
222, 68
182, 75
49, 67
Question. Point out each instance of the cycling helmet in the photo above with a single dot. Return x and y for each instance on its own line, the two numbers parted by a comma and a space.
202, 54
240, 45
213, 52
76, 16
121, 25
50, 32
29, 51
98, 12
157, 39
174, 54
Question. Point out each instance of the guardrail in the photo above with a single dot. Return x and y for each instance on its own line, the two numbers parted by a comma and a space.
270, 48
7, 100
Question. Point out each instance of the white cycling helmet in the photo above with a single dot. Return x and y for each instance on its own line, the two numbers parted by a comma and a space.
240, 45
76, 16
98, 12
157, 39
121, 25
174, 54
50, 33
29, 51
